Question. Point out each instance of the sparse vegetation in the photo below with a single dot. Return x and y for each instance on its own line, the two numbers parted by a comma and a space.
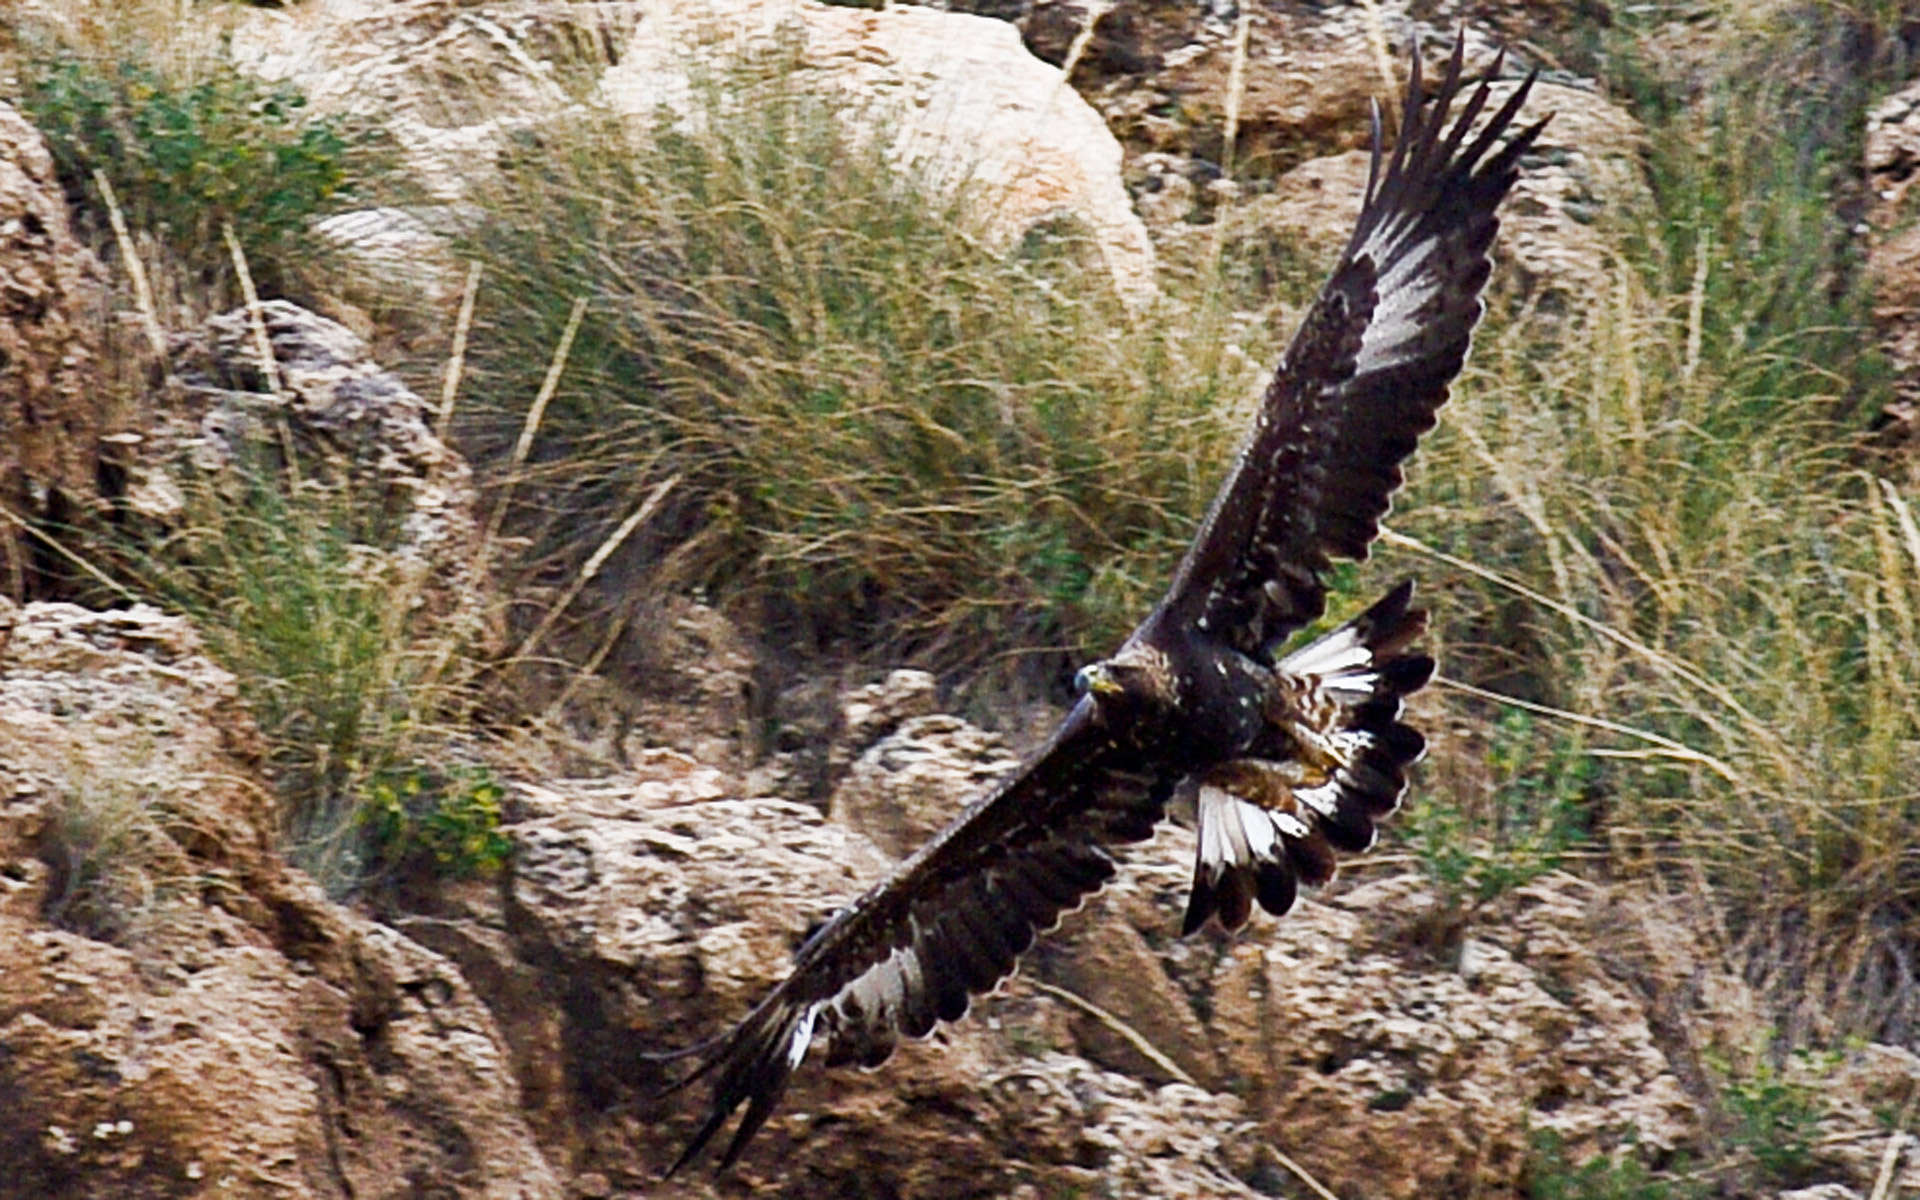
888, 437
1776, 1112
1647, 508
1618, 1176
296, 594
1536, 814
186, 156
115, 869
1764, 1144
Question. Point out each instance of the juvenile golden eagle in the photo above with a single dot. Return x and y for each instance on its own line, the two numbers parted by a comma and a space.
1291, 758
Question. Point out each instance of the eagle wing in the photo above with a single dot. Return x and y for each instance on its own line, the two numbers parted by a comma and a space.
1357, 387
947, 925
1363, 377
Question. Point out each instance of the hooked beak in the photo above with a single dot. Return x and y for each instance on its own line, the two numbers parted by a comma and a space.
1095, 680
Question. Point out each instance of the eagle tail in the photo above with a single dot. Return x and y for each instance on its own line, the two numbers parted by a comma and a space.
1266, 825
753, 1063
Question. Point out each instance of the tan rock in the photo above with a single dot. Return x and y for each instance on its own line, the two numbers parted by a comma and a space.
908, 785
1161, 73
1360, 1041
1856, 1097
1893, 254
51, 413
355, 427
179, 1012
1107, 959
869, 713
662, 911
449, 81
391, 252
453, 85
1374, 1018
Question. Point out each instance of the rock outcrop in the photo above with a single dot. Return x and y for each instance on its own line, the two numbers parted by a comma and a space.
52, 413
659, 907
1581, 188
893, 793
1161, 74
450, 83
181, 1014
326, 416
160, 970
1378, 1017
956, 97
1893, 254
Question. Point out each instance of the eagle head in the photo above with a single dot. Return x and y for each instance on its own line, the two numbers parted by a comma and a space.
1138, 682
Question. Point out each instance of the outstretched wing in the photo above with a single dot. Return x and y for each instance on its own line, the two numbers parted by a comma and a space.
948, 925
1363, 377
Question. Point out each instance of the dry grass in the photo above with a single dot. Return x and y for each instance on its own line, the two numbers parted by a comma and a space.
1669, 526
758, 362
885, 436
295, 592
116, 870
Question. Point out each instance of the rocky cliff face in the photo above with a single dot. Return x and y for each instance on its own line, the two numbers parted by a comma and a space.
51, 413
163, 972
181, 1013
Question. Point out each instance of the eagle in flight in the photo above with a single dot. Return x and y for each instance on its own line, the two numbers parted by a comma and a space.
1292, 758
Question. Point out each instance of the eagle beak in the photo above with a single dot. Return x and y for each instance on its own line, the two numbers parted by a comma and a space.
1094, 679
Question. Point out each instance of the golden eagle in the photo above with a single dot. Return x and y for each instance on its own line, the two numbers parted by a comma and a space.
1292, 757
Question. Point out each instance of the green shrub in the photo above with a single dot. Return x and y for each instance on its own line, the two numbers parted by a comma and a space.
449, 820
1537, 812
1776, 1113
1618, 1176
188, 156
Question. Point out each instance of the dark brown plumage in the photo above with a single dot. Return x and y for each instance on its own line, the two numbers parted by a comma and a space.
1292, 759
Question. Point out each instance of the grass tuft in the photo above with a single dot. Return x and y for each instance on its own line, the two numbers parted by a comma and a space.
115, 867
295, 591
883, 433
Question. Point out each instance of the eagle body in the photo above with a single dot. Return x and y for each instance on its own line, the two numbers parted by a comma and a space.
1180, 697
1292, 756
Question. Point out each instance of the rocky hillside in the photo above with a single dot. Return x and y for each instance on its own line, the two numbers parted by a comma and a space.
394, 745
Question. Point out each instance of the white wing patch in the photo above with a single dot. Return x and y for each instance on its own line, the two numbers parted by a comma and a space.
1394, 334
879, 994
1339, 652
1340, 665
1324, 799
1234, 833
802, 1036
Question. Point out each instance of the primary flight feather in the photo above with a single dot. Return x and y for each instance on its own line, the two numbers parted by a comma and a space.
1292, 759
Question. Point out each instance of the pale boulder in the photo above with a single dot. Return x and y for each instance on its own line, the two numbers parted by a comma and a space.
955, 98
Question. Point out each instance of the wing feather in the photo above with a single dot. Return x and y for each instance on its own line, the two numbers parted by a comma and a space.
1357, 387
1363, 377
949, 924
